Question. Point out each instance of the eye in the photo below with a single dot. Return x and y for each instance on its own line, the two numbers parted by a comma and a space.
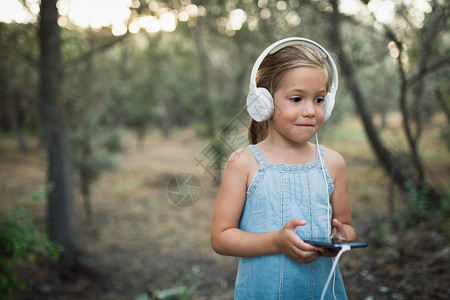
295, 99
319, 100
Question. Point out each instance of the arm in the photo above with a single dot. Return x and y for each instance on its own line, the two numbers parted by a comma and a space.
228, 239
342, 220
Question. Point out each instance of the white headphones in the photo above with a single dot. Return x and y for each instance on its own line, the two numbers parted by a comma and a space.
259, 100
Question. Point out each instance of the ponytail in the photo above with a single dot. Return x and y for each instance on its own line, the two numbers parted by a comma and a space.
257, 131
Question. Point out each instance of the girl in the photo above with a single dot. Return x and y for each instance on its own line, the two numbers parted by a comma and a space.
275, 192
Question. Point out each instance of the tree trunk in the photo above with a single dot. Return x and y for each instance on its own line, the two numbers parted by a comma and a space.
86, 193
85, 174
60, 213
124, 88
443, 104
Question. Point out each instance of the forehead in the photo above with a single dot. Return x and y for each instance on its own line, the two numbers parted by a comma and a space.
305, 77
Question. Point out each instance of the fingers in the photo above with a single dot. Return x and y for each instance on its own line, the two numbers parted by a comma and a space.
306, 258
338, 225
301, 251
304, 254
292, 224
327, 253
339, 235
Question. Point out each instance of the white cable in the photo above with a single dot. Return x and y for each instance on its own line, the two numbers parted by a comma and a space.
333, 269
334, 283
322, 163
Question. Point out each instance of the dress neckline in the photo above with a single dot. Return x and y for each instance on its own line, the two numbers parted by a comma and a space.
285, 167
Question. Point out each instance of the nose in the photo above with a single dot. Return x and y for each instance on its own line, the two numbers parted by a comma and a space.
308, 110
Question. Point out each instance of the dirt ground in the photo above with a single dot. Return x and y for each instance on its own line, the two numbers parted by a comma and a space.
138, 242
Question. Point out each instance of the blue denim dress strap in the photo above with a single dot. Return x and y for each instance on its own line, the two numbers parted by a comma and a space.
277, 194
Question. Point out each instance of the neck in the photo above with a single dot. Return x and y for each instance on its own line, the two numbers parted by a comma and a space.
285, 152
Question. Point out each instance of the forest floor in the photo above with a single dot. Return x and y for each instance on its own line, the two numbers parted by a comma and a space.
138, 242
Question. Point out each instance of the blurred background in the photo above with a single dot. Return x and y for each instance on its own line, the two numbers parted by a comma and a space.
116, 118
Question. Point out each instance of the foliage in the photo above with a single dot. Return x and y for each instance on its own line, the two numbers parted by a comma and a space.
113, 141
419, 201
18, 69
20, 242
99, 159
91, 167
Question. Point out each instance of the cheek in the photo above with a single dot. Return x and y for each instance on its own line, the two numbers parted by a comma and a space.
280, 108
320, 114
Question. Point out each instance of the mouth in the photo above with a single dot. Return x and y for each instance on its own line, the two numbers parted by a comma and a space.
305, 125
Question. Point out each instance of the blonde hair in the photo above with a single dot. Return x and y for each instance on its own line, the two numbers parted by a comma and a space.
271, 74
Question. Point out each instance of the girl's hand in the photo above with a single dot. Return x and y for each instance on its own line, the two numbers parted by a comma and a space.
339, 235
291, 244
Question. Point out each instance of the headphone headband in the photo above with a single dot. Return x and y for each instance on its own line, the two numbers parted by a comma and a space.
275, 47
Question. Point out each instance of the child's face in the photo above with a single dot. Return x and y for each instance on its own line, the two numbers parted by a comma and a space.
299, 103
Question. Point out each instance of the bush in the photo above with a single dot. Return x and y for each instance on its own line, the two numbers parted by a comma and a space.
420, 201
21, 242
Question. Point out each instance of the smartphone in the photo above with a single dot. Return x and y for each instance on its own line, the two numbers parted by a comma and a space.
328, 243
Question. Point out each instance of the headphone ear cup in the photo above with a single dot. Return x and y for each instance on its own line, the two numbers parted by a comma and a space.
329, 105
260, 104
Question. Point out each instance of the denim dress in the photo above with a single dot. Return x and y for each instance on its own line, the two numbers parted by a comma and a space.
277, 194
